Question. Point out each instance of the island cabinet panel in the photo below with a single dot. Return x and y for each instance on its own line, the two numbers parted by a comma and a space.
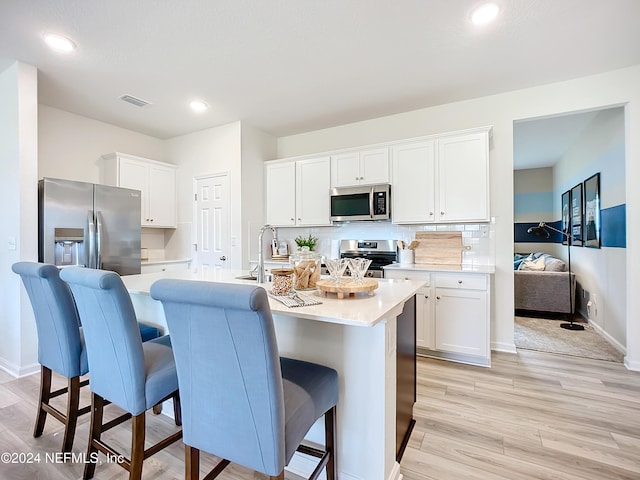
297, 192
441, 180
362, 167
155, 180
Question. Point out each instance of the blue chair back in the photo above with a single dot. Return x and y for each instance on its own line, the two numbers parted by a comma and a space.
112, 336
59, 342
229, 372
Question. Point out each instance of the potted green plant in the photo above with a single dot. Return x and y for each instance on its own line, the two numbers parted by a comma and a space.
308, 241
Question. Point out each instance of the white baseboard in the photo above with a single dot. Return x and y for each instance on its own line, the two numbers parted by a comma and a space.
18, 371
614, 343
504, 347
632, 364
395, 472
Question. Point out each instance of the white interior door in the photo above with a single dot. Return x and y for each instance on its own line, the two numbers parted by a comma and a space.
212, 221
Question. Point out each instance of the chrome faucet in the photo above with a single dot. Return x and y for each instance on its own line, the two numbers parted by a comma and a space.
261, 275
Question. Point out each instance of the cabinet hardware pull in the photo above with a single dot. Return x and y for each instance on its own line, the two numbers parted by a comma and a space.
293, 219
459, 282
441, 213
223, 258
437, 298
431, 214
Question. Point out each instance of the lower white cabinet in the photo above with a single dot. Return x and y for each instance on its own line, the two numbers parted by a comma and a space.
164, 266
452, 315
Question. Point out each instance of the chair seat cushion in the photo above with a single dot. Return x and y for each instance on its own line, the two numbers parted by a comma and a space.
160, 370
309, 391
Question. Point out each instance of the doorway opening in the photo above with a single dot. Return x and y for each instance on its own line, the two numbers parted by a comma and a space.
554, 155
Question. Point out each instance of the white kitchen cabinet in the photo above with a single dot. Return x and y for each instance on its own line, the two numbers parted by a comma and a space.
297, 192
163, 266
452, 315
425, 324
281, 193
462, 316
441, 180
363, 167
155, 180
463, 178
312, 192
413, 195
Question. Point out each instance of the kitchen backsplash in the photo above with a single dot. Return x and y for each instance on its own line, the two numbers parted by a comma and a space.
478, 237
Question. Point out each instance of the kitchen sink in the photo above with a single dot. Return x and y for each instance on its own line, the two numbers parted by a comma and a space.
247, 277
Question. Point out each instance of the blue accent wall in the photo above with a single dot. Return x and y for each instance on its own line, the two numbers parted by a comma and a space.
613, 233
614, 226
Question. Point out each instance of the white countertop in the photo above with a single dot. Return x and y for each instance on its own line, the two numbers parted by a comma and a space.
423, 267
359, 310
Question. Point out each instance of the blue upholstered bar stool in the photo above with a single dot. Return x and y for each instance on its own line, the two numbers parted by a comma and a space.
131, 374
60, 344
240, 400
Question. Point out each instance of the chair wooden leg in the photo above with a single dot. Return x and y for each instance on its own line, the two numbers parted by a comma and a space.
191, 463
73, 400
330, 442
45, 395
137, 447
177, 411
95, 431
157, 409
277, 477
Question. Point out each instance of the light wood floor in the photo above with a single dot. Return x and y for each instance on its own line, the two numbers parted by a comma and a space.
530, 416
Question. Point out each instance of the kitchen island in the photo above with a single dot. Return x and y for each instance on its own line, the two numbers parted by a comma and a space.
360, 338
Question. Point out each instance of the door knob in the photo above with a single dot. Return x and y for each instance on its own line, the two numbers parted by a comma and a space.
223, 258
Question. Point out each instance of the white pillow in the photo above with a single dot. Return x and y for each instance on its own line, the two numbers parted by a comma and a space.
535, 265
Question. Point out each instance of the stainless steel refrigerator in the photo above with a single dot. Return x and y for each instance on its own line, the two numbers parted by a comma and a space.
90, 225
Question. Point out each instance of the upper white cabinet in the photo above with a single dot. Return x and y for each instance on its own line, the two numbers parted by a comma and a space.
413, 196
281, 193
297, 192
155, 180
363, 167
441, 180
463, 177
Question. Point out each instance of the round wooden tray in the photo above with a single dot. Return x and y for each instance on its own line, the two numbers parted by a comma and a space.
347, 287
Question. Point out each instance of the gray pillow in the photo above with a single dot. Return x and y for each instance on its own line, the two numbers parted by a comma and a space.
552, 264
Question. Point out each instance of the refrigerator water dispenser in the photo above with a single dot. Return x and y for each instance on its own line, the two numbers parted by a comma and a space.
69, 246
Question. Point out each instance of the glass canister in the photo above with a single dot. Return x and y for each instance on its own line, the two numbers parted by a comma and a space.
306, 268
282, 281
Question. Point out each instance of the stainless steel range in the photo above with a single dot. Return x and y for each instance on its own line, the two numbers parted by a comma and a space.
380, 252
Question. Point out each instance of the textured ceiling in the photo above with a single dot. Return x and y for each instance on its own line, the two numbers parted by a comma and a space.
289, 66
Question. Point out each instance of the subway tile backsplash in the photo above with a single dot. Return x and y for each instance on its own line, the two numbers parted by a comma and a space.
480, 250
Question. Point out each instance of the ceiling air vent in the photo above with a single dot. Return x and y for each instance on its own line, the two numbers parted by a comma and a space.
138, 102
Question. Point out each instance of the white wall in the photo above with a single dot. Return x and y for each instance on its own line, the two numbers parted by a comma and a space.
612, 88
236, 148
257, 146
71, 145
19, 213
213, 150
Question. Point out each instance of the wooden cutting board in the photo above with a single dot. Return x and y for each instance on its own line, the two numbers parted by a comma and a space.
440, 248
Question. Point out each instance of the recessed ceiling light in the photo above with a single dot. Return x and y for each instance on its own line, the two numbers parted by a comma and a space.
485, 13
198, 106
59, 43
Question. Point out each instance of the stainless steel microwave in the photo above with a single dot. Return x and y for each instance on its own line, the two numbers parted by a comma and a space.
371, 202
